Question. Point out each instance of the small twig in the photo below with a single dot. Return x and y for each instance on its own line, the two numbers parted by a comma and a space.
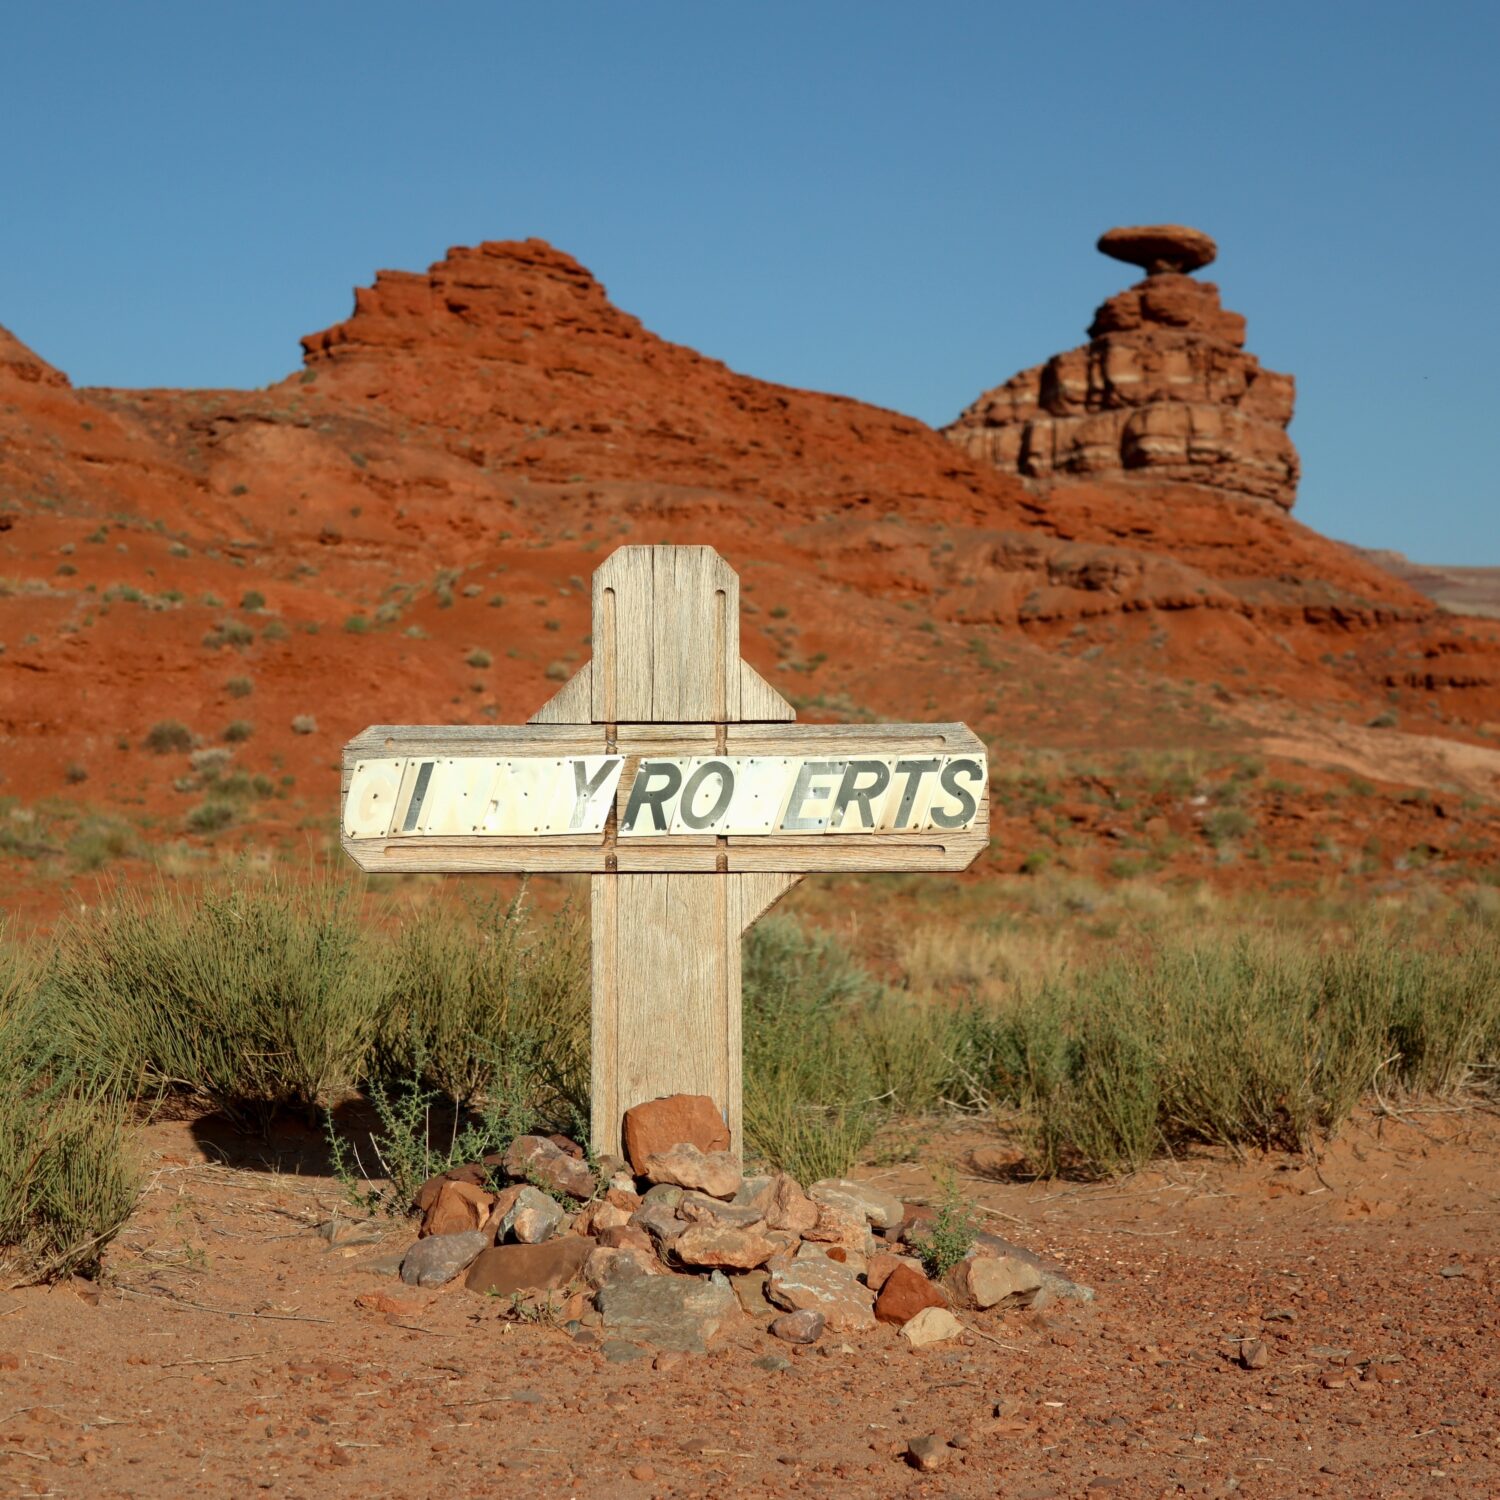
228, 1359
999, 1343
223, 1312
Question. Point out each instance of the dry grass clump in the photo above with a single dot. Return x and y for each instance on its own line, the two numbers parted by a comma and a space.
68, 1180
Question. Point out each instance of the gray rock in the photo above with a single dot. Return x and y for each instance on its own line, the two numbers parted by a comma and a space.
440, 1257
668, 1312
621, 1351
699, 1208
805, 1327
658, 1220
532, 1218
1055, 1281
773, 1362
860, 1200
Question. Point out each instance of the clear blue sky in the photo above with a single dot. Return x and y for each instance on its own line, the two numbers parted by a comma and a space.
895, 201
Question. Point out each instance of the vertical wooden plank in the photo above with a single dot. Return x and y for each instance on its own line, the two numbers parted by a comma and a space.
667, 994
623, 661
662, 992
604, 1106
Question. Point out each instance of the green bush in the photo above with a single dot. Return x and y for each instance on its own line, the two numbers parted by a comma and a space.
169, 736
254, 997
492, 998
67, 1178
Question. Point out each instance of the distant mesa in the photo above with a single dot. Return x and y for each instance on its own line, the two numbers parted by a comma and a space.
1163, 390
1160, 248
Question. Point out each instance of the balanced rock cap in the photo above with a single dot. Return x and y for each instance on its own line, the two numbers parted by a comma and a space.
1159, 247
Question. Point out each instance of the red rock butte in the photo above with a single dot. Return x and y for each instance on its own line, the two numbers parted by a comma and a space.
1163, 390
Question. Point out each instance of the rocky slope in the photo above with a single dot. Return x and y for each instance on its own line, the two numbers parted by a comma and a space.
404, 528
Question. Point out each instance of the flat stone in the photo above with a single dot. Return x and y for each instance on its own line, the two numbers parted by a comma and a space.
716, 1173
699, 1208
440, 1257
655, 1127
540, 1160
668, 1312
621, 1351
981, 1281
1159, 247
773, 1362
826, 1287
750, 1289
933, 1325
803, 1327
506, 1270
721, 1246
859, 1198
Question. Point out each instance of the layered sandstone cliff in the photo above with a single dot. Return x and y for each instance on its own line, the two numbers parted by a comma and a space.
1163, 390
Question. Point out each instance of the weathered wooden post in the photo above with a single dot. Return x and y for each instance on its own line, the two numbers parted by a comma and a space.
671, 771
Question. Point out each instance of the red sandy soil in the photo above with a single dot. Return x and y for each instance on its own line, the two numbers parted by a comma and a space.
228, 1350
489, 430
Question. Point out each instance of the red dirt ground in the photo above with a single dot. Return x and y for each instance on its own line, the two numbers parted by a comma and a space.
228, 1351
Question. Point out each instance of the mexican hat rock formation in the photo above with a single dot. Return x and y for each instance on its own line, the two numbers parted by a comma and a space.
1163, 390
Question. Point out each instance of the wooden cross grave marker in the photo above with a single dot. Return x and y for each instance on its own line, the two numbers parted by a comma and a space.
670, 771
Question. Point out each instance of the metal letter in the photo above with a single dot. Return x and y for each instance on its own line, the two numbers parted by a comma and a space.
860, 796
726, 790
643, 795
968, 803
584, 789
792, 820
914, 771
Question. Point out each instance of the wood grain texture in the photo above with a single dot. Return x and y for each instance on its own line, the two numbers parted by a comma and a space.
667, 997
573, 703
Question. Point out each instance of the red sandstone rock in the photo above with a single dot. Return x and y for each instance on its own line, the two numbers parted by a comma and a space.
1163, 390
905, 1293
507, 1269
1160, 247
457, 1206
678, 1119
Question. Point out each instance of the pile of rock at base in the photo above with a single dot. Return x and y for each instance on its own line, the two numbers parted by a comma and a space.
675, 1243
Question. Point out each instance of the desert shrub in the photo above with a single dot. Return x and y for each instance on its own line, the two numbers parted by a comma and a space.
168, 736
304, 724
251, 997
67, 1178
811, 1086
492, 1000
210, 817
238, 730
478, 658
239, 687
1264, 1041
